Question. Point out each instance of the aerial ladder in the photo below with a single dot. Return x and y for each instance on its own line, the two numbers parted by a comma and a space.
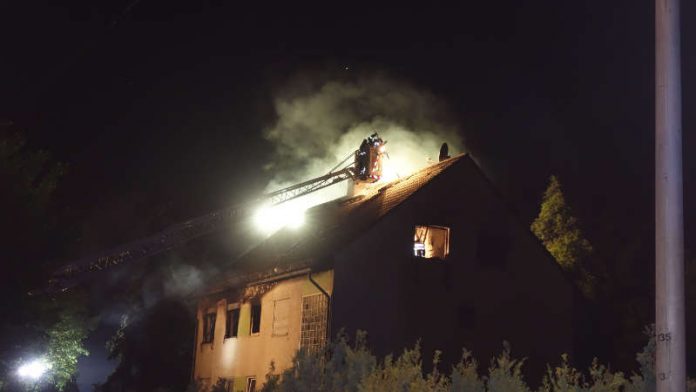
366, 166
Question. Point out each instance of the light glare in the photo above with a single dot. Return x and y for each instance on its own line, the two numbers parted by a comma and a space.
270, 219
34, 370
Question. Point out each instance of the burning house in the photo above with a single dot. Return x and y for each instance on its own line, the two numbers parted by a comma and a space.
437, 256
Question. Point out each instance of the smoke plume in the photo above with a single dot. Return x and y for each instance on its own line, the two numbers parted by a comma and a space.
320, 124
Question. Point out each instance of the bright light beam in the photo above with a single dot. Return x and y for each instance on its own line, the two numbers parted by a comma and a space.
34, 370
269, 219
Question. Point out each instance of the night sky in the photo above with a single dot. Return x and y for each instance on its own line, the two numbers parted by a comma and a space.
160, 105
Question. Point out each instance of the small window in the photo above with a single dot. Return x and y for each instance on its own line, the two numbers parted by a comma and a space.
431, 242
232, 323
255, 319
208, 327
251, 384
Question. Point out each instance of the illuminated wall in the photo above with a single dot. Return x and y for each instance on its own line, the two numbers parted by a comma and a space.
249, 354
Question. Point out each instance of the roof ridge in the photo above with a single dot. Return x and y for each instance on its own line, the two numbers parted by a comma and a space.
431, 167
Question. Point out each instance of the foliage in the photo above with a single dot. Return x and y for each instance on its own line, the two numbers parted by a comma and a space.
558, 230
565, 378
194, 386
646, 359
65, 344
40, 326
505, 373
346, 367
29, 176
153, 348
222, 385
405, 373
272, 380
28, 179
464, 376
562, 378
340, 367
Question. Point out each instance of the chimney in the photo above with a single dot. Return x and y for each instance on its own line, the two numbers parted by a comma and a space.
444, 152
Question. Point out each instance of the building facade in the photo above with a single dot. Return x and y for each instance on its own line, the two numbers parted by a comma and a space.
242, 331
437, 256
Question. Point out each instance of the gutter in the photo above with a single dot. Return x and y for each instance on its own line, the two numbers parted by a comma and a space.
195, 349
328, 305
283, 276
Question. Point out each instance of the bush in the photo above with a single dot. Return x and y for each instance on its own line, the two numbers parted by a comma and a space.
464, 376
343, 366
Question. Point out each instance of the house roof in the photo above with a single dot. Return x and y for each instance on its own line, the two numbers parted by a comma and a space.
328, 227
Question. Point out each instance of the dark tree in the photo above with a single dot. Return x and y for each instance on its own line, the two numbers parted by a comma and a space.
31, 237
154, 348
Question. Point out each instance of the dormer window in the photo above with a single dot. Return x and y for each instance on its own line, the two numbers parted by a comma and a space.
431, 242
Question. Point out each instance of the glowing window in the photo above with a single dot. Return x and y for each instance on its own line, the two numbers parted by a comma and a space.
208, 327
431, 242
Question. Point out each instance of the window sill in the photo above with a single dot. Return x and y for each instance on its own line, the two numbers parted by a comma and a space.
430, 258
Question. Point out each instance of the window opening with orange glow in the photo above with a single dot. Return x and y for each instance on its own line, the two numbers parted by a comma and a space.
431, 242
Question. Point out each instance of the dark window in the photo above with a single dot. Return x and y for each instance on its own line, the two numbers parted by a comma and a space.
232, 323
251, 384
255, 318
208, 327
492, 248
431, 242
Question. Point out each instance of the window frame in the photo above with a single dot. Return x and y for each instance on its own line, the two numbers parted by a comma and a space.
207, 317
275, 326
251, 318
417, 251
232, 331
314, 325
249, 381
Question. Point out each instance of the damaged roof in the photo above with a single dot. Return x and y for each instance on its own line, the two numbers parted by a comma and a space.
328, 228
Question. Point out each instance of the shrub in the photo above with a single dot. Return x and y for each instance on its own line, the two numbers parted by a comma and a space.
464, 376
505, 373
222, 385
353, 368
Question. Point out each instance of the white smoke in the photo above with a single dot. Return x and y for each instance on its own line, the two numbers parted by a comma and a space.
320, 124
